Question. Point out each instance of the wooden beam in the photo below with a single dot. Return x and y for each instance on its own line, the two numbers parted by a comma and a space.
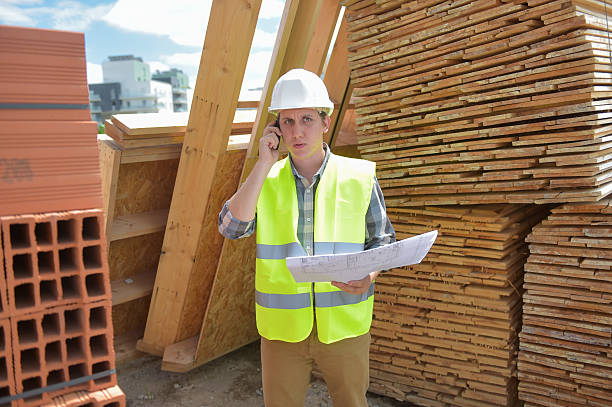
336, 78
215, 100
322, 36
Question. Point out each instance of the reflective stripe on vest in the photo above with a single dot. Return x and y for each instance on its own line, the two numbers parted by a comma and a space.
282, 251
302, 300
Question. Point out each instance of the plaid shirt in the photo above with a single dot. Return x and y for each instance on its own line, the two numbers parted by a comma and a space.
379, 231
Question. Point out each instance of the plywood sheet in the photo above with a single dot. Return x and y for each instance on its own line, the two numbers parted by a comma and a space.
145, 186
211, 241
134, 255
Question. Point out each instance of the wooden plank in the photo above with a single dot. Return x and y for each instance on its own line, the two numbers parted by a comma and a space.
337, 81
566, 328
138, 224
210, 119
110, 156
154, 153
134, 287
322, 36
235, 271
456, 326
150, 123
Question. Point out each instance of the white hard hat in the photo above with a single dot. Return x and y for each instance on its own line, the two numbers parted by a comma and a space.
300, 88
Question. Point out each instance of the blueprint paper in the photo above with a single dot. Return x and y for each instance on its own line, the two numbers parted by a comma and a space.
355, 266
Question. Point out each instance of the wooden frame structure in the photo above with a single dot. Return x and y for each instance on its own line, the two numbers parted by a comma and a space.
215, 100
202, 303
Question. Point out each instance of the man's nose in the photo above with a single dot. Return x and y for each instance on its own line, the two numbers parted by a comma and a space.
294, 131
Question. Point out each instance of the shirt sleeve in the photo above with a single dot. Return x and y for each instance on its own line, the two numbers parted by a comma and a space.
233, 228
379, 231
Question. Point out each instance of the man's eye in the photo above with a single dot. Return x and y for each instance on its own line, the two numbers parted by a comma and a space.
307, 119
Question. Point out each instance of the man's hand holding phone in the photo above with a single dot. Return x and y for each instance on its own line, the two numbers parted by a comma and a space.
269, 142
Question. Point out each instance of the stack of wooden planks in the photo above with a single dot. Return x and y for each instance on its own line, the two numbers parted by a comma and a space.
157, 129
565, 354
445, 332
484, 101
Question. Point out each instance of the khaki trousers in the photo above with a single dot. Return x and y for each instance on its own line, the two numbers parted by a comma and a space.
286, 370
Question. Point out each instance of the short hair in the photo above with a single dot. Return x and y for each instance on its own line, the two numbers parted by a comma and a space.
323, 116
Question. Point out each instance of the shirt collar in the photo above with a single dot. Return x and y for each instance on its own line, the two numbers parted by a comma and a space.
319, 172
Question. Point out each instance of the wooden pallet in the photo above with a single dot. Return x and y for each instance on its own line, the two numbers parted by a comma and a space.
566, 342
445, 332
483, 101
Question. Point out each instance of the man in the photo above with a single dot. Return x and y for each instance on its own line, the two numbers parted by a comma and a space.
312, 202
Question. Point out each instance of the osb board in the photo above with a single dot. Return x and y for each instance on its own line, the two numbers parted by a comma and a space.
220, 334
130, 318
134, 255
224, 186
145, 186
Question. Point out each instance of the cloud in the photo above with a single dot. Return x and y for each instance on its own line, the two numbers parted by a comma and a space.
15, 14
263, 39
183, 59
74, 16
65, 15
271, 8
256, 69
184, 21
94, 73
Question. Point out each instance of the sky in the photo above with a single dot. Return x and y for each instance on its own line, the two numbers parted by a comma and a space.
164, 33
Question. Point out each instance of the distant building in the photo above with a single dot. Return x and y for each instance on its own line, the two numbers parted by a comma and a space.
104, 100
180, 84
128, 88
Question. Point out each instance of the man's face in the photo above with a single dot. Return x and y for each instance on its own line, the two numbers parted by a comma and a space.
302, 131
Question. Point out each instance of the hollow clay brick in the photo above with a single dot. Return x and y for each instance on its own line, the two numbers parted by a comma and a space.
3, 300
54, 259
60, 344
110, 397
7, 378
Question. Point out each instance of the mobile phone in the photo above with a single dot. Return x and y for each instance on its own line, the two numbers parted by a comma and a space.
277, 125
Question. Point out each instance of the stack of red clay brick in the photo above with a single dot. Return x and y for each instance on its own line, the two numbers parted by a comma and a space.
56, 337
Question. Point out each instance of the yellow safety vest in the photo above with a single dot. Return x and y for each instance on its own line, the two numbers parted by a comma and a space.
284, 308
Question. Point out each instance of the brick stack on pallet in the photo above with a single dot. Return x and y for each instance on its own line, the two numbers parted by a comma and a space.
463, 105
57, 336
445, 331
566, 342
